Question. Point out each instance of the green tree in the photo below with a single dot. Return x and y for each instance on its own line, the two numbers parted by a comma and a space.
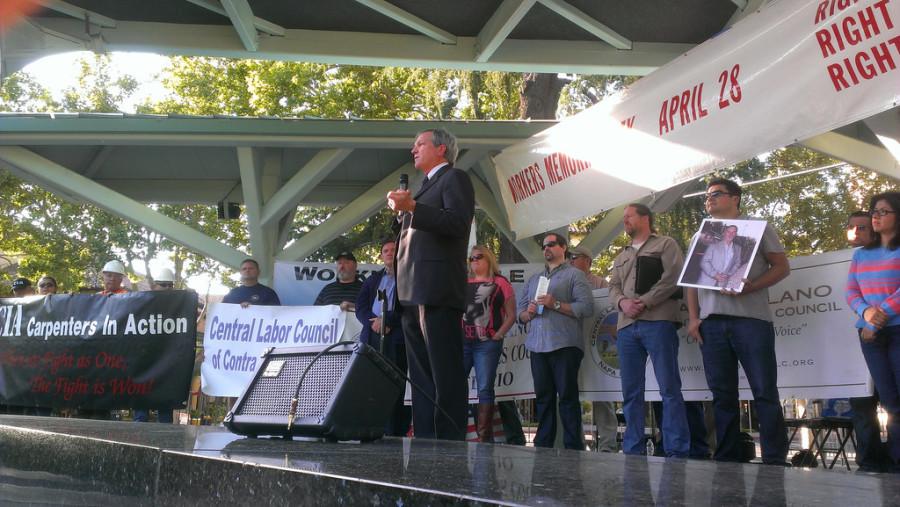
20, 92
101, 88
209, 86
265, 88
72, 241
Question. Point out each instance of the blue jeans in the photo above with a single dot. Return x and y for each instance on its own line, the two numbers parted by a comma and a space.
556, 373
696, 424
727, 340
870, 451
656, 338
883, 359
143, 415
485, 356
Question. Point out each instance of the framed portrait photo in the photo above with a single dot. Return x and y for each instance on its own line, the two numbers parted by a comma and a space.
721, 254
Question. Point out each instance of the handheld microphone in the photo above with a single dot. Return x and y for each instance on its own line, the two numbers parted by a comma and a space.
404, 181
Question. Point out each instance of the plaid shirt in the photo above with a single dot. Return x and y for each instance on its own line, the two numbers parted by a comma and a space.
553, 330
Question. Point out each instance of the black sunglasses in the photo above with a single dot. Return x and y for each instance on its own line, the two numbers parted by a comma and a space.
551, 244
165, 284
45, 285
476, 257
716, 194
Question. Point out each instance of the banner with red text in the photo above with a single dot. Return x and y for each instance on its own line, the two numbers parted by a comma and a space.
796, 69
132, 350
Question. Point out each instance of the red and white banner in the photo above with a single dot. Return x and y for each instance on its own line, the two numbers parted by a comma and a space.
795, 70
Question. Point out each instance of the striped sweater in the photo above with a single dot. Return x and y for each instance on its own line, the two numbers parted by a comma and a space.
874, 279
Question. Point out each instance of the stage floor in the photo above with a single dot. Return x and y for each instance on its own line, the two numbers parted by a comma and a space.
81, 462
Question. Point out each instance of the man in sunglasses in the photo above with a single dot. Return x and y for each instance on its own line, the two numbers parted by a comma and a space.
734, 327
556, 342
581, 258
163, 280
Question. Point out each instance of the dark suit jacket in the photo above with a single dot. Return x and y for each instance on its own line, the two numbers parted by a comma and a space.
368, 295
433, 242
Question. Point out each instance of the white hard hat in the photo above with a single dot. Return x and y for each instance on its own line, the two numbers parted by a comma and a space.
114, 267
164, 275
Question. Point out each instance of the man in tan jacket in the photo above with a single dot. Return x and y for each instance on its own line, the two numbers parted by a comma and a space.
641, 286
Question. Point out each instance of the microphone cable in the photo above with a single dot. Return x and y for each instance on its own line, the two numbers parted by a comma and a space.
295, 401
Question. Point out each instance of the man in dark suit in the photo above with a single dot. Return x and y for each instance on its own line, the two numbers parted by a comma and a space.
431, 273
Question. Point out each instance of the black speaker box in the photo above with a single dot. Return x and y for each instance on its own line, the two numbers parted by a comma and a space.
228, 210
348, 394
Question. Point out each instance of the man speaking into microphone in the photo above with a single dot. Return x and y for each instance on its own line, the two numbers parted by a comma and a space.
433, 227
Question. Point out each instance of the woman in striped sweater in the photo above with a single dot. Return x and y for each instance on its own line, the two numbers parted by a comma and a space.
873, 292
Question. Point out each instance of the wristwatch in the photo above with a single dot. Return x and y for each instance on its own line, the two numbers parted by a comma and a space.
557, 305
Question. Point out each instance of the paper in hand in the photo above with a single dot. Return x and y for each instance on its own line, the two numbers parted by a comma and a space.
542, 286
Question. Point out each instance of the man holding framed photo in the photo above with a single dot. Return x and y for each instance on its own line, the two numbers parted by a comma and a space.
734, 326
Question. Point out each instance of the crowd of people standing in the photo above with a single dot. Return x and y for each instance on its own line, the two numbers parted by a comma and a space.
440, 309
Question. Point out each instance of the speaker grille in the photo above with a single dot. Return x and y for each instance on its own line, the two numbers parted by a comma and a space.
271, 396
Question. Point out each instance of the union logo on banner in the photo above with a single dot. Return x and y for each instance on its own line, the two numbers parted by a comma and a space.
603, 342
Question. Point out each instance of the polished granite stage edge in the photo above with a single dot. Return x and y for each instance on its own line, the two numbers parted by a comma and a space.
170, 464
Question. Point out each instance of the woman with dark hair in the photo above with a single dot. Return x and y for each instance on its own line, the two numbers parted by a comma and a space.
490, 313
873, 292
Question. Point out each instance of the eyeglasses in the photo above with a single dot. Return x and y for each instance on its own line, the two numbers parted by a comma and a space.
550, 244
715, 195
165, 284
476, 257
880, 212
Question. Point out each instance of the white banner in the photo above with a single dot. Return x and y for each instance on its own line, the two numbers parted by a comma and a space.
298, 283
796, 69
235, 338
816, 344
817, 348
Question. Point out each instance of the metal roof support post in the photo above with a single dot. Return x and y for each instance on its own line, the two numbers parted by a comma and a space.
485, 199
886, 127
301, 184
855, 152
526, 246
242, 18
252, 187
498, 27
60, 179
351, 214
611, 226
508, 55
